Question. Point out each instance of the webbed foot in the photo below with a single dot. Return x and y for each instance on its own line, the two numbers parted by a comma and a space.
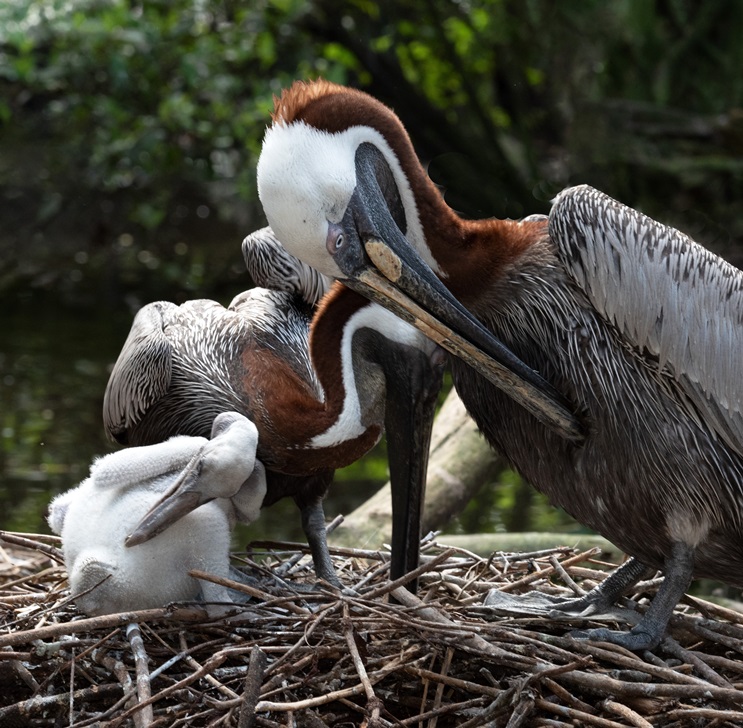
641, 637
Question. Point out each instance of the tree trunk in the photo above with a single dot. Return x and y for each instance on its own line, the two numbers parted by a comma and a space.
484, 544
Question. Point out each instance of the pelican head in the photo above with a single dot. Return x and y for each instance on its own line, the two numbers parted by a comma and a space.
340, 185
217, 469
314, 182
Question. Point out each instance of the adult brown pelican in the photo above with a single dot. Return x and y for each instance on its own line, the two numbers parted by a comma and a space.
638, 327
95, 518
320, 396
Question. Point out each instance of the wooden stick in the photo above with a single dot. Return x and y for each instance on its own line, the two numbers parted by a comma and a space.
18, 540
252, 687
547, 571
627, 713
143, 718
104, 621
265, 706
474, 642
374, 704
577, 716
414, 574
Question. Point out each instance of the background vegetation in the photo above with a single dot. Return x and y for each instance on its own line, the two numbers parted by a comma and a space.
129, 134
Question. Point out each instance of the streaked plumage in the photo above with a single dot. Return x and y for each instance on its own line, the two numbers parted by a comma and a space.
272, 267
668, 296
318, 400
635, 325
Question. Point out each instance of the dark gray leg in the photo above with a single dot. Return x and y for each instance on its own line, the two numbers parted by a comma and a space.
678, 571
604, 595
313, 523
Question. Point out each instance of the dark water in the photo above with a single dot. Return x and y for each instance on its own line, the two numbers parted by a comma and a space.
54, 365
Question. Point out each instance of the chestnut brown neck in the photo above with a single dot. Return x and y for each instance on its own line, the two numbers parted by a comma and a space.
290, 415
466, 250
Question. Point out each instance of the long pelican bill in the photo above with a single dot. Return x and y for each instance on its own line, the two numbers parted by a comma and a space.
514, 377
382, 265
182, 498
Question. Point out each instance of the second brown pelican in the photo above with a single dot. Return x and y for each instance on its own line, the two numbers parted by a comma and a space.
320, 398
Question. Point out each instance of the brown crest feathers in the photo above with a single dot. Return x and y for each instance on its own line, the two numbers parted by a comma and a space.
293, 100
333, 108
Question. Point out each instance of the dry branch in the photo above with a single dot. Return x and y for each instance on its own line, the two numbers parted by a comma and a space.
373, 654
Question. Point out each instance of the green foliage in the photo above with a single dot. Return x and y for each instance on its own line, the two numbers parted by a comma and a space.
126, 117
149, 97
129, 134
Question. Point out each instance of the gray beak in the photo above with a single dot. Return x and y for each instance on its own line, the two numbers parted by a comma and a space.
380, 263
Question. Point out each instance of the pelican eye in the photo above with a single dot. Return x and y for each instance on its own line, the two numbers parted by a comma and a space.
335, 239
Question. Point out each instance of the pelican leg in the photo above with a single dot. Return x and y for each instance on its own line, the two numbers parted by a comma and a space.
604, 595
648, 633
313, 523
413, 381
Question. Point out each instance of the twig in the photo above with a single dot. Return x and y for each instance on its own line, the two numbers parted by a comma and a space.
252, 689
444, 710
609, 685
215, 661
629, 661
560, 570
627, 713
548, 571
523, 710
31, 577
474, 642
304, 640
674, 648
27, 543
567, 696
269, 599
92, 623
735, 716
72, 685
374, 704
410, 576
209, 677
267, 706
716, 609
144, 717
16, 665
22, 712
454, 682
578, 716
440, 688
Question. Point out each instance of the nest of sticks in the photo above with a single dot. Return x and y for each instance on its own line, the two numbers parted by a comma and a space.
304, 655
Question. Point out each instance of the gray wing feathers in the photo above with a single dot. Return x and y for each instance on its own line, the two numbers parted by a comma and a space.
141, 374
669, 297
